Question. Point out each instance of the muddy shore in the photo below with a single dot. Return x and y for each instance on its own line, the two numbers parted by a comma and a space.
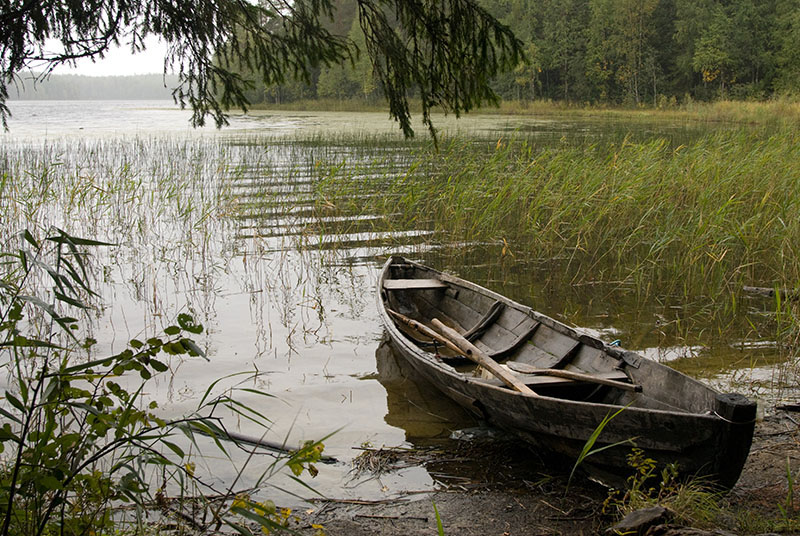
512, 491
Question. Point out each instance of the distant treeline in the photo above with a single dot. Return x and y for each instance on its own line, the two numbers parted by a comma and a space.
626, 52
77, 87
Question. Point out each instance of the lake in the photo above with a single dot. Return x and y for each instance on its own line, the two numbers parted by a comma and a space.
226, 225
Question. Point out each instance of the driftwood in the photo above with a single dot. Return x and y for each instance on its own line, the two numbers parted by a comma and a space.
478, 356
769, 292
240, 439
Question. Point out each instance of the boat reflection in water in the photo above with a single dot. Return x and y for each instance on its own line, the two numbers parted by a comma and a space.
455, 447
414, 404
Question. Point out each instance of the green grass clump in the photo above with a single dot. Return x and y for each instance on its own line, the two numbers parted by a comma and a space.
693, 503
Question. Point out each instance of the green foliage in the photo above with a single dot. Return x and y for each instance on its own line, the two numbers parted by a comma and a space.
696, 503
633, 52
269, 517
78, 439
305, 457
621, 39
787, 508
588, 447
335, 82
439, 527
693, 503
787, 55
712, 57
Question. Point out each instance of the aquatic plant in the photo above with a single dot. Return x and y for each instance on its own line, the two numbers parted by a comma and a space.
588, 447
687, 225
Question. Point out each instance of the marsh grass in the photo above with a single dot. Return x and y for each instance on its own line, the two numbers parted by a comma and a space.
778, 110
772, 111
775, 111
687, 225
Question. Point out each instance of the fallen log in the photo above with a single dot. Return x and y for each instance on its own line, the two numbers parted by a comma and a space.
769, 292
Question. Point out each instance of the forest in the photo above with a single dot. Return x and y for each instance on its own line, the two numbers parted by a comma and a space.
621, 52
616, 52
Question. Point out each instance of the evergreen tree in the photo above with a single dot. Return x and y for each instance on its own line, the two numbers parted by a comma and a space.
448, 50
786, 36
562, 43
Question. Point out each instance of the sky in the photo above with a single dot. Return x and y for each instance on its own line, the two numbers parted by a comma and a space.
120, 61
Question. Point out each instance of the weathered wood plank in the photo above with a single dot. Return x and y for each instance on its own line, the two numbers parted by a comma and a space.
616, 379
554, 381
413, 284
475, 354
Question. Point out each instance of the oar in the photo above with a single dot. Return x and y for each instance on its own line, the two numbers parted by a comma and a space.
478, 356
425, 330
474, 355
524, 368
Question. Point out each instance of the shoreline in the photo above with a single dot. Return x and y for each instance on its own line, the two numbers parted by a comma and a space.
532, 503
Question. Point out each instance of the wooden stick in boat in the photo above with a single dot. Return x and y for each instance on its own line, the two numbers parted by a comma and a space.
425, 330
524, 368
506, 377
478, 356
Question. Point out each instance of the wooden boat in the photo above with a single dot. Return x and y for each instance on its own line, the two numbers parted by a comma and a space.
555, 385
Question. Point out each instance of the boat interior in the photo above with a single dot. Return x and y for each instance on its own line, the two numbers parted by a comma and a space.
532, 350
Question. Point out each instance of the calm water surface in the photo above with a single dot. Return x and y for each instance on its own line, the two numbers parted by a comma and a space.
220, 223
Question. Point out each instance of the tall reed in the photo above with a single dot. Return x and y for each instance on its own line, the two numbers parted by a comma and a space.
697, 221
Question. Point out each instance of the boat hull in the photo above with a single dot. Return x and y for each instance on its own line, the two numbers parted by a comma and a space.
710, 440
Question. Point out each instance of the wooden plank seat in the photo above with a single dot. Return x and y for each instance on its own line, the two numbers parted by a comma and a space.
413, 284
501, 354
533, 380
483, 324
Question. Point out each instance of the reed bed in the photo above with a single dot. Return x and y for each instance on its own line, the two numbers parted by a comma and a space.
779, 110
696, 222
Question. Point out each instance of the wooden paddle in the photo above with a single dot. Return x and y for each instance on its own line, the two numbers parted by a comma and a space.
474, 355
524, 368
425, 330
